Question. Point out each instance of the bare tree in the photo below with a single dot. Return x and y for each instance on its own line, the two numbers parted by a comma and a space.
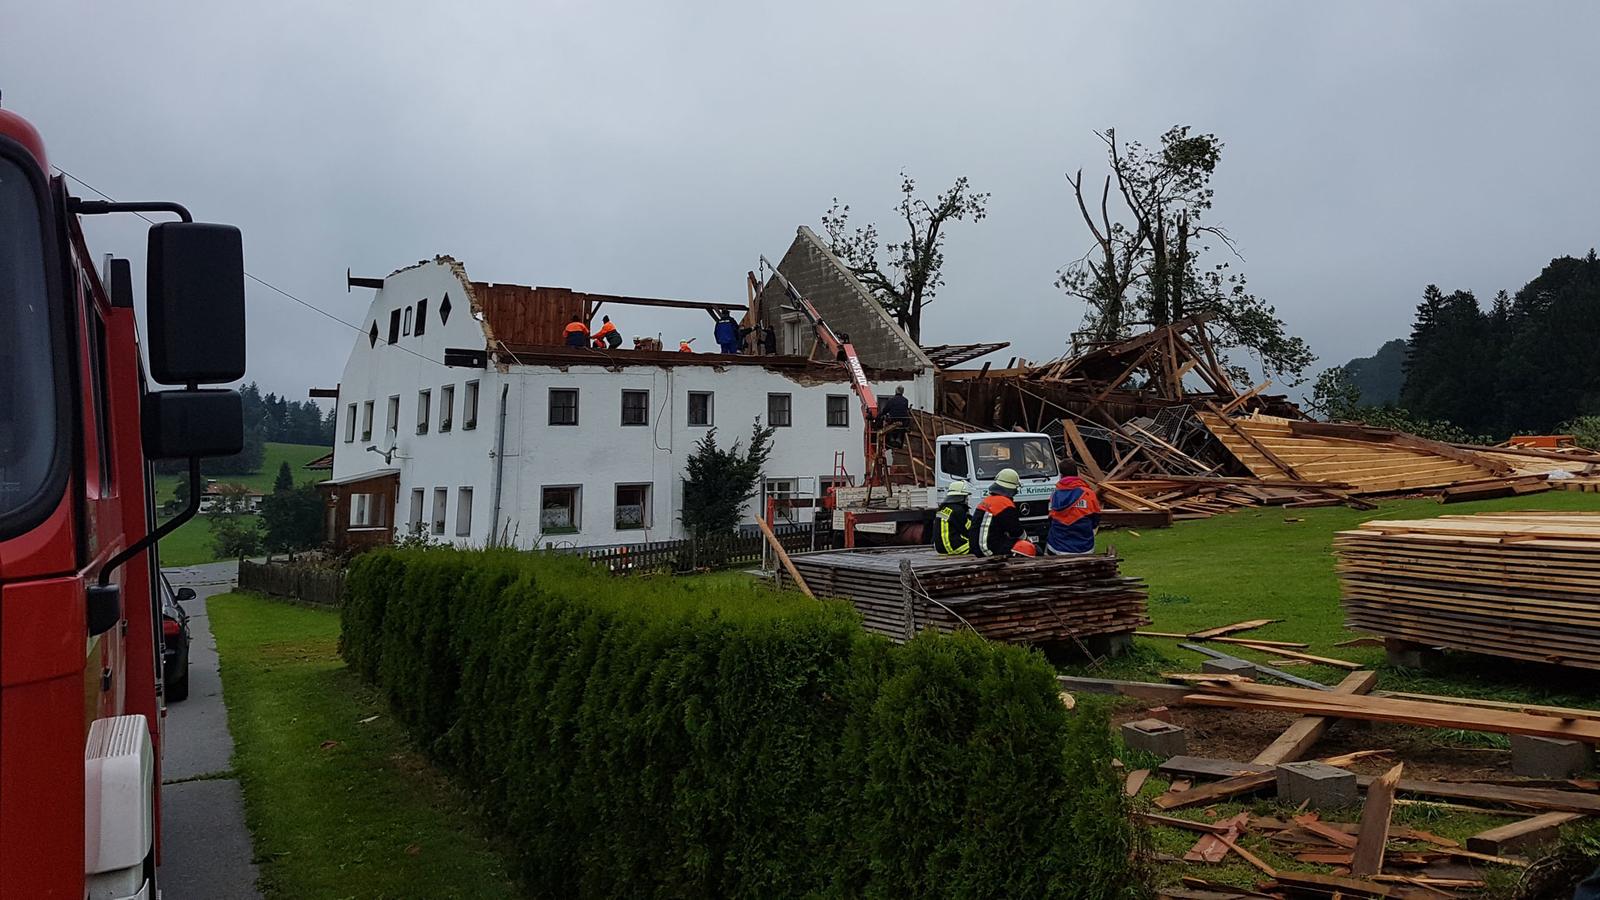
908, 278
1147, 272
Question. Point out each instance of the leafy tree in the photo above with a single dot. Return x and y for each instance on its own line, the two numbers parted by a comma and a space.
906, 280
183, 492
285, 479
1335, 396
292, 518
717, 482
235, 537
1146, 267
1585, 429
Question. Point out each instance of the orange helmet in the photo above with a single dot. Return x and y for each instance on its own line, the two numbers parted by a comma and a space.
1024, 547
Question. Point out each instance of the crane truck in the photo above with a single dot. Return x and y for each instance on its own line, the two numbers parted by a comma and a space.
897, 512
81, 700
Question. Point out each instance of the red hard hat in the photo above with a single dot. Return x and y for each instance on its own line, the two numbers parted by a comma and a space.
1024, 547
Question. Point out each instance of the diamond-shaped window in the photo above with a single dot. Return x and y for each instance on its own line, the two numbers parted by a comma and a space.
444, 310
372, 336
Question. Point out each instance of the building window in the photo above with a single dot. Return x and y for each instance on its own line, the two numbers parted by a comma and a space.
392, 423
469, 407
349, 423
636, 407
633, 506
699, 407
779, 410
563, 406
447, 406
558, 510
783, 492
441, 500
838, 411
405, 328
394, 326
366, 421
422, 317
418, 499
424, 410
367, 511
464, 512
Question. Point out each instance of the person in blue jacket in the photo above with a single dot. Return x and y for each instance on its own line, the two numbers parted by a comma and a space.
727, 333
1074, 514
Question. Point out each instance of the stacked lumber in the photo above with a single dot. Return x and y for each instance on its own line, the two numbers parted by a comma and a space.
1043, 600
1522, 586
1200, 497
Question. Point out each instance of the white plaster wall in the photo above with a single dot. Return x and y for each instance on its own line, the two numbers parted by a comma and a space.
600, 453
458, 458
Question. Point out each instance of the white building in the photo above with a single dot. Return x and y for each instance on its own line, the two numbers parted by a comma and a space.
462, 414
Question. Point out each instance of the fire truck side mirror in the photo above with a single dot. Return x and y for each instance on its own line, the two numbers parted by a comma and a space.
185, 424
195, 294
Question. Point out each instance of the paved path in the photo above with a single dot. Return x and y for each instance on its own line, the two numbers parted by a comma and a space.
206, 851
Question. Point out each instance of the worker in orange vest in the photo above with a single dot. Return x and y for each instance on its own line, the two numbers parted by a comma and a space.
606, 337
1074, 514
997, 524
577, 333
683, 346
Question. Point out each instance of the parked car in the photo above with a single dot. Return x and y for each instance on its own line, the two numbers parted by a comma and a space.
174, 640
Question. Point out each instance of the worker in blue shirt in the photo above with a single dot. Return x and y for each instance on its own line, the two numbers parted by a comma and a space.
1074, 514
727, 333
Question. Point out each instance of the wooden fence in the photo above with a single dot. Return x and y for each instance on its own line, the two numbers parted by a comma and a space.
696, 554
316, 585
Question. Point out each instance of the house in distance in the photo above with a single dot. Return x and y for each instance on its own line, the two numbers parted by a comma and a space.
463, 415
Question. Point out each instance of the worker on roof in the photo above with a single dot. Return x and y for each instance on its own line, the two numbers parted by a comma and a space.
683, 346
952, 522
577, 333
1074, 514
726, 333
606, 337
997, 523
894, 419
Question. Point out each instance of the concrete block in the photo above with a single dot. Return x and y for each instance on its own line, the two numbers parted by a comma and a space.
1539, 757
1164, 739
1317, 785
1228, 667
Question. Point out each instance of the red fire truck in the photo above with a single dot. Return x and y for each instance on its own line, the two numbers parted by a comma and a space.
80, 641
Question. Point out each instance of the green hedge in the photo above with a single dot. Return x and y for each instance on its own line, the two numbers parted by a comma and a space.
675, 737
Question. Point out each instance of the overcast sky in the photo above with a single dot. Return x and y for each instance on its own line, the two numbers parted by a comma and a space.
656, 149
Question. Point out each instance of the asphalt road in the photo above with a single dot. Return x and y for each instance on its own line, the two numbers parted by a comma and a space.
206, 850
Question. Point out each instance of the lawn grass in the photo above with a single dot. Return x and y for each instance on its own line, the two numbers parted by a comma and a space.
1279, 564
296, 455
1275, 563
338, 801
191, 544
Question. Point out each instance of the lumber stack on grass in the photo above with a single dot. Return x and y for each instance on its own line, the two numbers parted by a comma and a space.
1522, 586
1042, 600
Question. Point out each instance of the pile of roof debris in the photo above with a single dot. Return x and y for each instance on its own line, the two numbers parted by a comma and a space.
1371, 857
1157, 423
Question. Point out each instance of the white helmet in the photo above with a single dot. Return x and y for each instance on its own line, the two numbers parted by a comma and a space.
958, 489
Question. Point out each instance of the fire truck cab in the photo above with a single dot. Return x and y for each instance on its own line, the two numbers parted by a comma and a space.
80, 659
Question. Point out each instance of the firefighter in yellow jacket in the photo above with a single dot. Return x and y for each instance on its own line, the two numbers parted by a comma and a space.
952, 522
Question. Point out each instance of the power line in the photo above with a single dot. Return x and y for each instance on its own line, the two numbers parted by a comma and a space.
261, 281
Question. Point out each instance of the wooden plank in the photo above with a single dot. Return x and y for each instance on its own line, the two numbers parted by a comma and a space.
1075, 440
1486, 794
1228, 408
1211, 848
1340, 886
1292, 645
1143, 690
1301, 736
783, 557
1264, 669
1304, 657
1373, 838
1540, 829
1255, 445
1254, 778
1135, 782
1334, 835
1224, 630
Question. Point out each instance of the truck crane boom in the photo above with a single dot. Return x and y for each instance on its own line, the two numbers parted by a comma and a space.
839, 346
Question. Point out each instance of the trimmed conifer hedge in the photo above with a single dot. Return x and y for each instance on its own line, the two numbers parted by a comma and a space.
679, 737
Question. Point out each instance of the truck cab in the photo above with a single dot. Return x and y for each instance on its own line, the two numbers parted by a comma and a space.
978, 457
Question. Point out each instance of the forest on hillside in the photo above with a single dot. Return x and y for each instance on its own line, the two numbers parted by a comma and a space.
1525, 363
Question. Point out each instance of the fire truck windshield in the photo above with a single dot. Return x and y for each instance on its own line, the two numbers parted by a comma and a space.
1032, 457
28, 435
